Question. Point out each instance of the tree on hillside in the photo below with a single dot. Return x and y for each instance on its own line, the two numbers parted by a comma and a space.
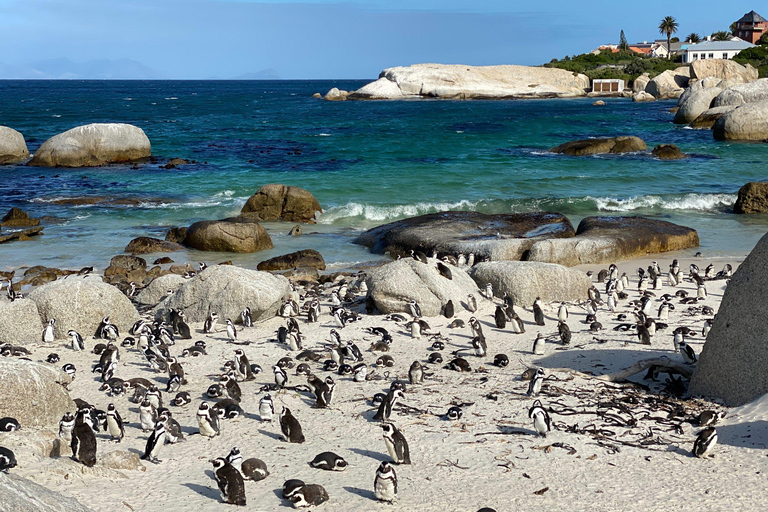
733, 27
721, 35
623, 44
668, 26
763, 41
693, 37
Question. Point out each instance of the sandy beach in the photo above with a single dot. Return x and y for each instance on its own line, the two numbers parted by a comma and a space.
613, 445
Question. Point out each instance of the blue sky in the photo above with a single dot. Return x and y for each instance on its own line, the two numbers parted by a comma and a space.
333, 39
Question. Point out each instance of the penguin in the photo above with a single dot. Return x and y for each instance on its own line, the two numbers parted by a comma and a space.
397, 446
290, 487
291, 427
459, 364
689, 356
643, 334
663, 311
414, 309
385, 483
386, 407
173, 431
448, 310
266, 408
458, 323
48, 331
147, 415
471, 303
207, 421
154, 396
230, 482
314, 311
77, 340
210, 323
182, 327
231, 387
281, 378
500, 317
254, 469
231, 331
70, 370
83, 440
325, 393
474, 325
480, 346
115, 425
454, 413
385, 361
707, 326
329, 461
416, 373
489, 291
565, 332
7, 459
245, 317
517, 325
9, 424
243, 366
53, 358
701, 291
534, 387
309, 495
538, 313
541, 420
501, 360
538, 345
444, 271
705, 441
66, 425
360, 372
562, 312
155, 441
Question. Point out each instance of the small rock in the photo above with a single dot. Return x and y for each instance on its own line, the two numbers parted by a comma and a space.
163, 261
176, 235
668, 152
584, 147
305, 258
295, 230
145, 244
599, 103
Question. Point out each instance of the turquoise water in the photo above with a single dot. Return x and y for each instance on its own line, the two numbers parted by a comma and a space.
366, 162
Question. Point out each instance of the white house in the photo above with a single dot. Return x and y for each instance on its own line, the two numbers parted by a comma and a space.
713, 50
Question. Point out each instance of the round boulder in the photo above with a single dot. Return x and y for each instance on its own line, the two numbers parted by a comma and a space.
394, 284
158, 289
23, 495
305, 258
642, 97
13, 149
526, 280
146, 245
92, 145
20, 322
747, 122
281, 202
33, 393
227, 290
627, 144
668, 152
80, 303
235, 234
132, 267
709, 117
752, 198
697, 99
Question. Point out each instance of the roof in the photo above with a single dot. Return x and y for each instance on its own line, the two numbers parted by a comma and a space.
645, 51
721, 46
752, 17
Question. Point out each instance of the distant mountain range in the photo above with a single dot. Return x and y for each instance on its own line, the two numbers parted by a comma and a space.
104, 69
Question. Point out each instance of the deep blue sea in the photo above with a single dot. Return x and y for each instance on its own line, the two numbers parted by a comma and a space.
367, 163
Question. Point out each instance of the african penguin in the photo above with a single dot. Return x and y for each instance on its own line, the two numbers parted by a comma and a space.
291, 427
230, 482
541, 420
329, 461
385, 483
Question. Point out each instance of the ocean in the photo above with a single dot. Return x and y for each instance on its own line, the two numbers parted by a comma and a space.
367, 163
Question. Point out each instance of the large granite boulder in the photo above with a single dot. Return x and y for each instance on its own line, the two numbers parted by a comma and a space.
752, 198
669, 84
747, 122
610, 239
732, 363
642, 97
723, 69
497, 237
13, 148
740, 94
19, 494
158, 289
92, 145
147, 244
281, 202
305, 258
641, 83
696, 99
709, 117
235, 234
20, 322
623, 144
227, 290
335, 94
460, 82
526, 280
394, 284
80, 303
33, 393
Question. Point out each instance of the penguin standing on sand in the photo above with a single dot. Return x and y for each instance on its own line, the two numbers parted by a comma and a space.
155, 441
541, 420
66, 425
386, 407
397, 446
471, 303
243, 366
500, 317
208, 421
77, 340
385, 483
281, 377
231, 331
48, 332
704, 443
210, 323
448, 310
534, 387
689, 356
291, 427
562, 312
83, 440
266, 408
517, 324
565, 332
474, 325
414, 309
115, 425
538, 313
230, 482
416, 373
245, 317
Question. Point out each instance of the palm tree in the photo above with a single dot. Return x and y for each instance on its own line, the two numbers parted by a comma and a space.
693, 37
721, 35
668, 26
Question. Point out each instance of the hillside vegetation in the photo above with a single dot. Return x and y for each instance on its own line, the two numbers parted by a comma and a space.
627, 65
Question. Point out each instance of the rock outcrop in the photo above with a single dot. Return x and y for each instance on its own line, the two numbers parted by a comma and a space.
227, 290
394, 284
497, 237
697, 99
19, 494
16, 217
158, 289
526, 280
641, 83
624, 144
739, 94
13, 148
670, 84
235, 234
709, 117
668, 152
92, 145
611, 239
146, 245
752, 198
642, 97
20, 322
81, 303
461, 82
305, 258
336, 95
747, 122
132, 267
281, 202
33, 393
723, 69
735, 346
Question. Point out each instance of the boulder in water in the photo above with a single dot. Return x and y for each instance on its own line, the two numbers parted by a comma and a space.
281, 202
624, 144
93, 145
746, 122
668, 152
305, 258
13, 148
752, 198
146, 245
235, 234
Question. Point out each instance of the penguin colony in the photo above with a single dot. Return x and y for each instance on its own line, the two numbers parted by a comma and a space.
314, 368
